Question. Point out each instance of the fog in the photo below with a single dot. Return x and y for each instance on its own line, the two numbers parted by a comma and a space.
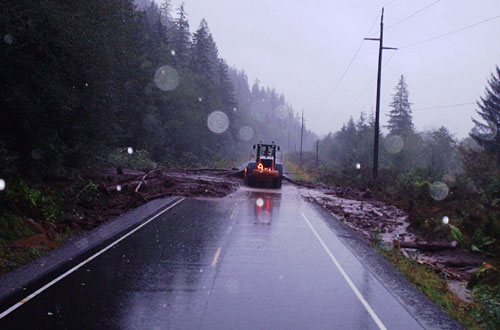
304, 48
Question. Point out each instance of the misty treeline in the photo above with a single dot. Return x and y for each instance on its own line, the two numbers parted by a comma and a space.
402, 149
429, 173
84, 80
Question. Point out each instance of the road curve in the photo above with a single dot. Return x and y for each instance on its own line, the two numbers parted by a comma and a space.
257, 259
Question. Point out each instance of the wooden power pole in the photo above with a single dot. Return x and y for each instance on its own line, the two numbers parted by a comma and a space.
377, 108
317, 153
301, 136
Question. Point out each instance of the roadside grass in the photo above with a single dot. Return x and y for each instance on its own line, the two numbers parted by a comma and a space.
489, 297
472, 315
12, 258
300, 172
475, 219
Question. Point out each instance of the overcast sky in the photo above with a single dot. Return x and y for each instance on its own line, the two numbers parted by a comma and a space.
302, 48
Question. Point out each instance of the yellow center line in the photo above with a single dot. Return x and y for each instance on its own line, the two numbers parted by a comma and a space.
234, 213
216, 257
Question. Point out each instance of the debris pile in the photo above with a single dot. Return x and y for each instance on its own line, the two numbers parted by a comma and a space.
122, 190
132, 188
389, 227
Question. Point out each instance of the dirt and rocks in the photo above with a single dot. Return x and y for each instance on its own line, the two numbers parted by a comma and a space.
116, 194
383, 224
374, 220
131, 188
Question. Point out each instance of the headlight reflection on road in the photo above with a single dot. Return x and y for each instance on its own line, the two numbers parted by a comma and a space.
263, 211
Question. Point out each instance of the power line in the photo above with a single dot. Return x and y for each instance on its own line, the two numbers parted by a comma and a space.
369, 84
321, 106
366, 87
373, 23
390, 3
445, 106
332, 93
449, 33
411, 15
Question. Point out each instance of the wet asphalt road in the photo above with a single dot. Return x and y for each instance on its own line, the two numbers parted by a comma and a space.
258, 259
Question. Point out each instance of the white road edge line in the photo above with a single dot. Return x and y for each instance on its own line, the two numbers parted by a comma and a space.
60, 277
346, 277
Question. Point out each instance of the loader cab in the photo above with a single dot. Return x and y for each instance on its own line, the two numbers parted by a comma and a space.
266, 153
266, 168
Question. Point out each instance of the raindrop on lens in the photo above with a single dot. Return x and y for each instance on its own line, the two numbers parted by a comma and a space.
246, 133
8, 39
260, 202
394, 144
358, 166
438, 190
130, 150
218, 122
2, 184
166, 78
446, 220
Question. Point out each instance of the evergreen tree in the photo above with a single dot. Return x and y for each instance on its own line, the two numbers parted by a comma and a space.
346, 138
440, 150
226, 88
201, 53
181, 37
364, 140
486, 133
400, 118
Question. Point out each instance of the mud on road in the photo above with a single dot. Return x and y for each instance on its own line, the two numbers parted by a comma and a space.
115, 195
373, 220
381, 223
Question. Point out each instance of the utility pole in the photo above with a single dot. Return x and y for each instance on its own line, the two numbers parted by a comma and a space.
301, 136
377, 108
288, 134
317, 153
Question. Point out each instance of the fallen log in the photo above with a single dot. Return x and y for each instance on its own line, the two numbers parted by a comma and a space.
427, 246
163, 194
298, 183
448, 272
202, 169
144, 178
460, 263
